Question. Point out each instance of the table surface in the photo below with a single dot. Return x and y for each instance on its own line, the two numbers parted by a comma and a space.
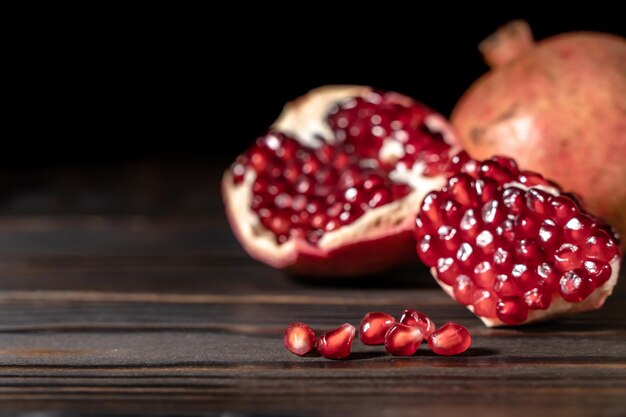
124, 292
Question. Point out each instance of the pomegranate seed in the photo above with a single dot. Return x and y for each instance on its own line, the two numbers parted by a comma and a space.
336, 344
599, 271
374, 326
568, 257
464, 290
537, 201
600, 246
578, 228
562, 209
526, 226
450, 339
484, 276
447, 270
506, 286
299, 338
403, 340
537, 299
511, 310
426, 251
576, 285
415, 318
461, 189
485, 303
513, 199
547, 277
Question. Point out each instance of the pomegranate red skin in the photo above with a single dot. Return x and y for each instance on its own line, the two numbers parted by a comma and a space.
559, 108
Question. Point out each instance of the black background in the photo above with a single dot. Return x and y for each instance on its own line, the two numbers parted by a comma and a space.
114, 86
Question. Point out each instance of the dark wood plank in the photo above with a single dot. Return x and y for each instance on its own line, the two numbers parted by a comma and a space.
115, 311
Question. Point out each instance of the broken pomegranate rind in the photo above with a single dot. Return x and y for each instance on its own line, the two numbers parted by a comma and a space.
327, 192
530, 252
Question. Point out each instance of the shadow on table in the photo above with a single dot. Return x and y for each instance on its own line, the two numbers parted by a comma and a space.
408, 276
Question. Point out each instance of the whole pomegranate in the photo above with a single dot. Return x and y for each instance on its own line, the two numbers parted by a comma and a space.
558, 107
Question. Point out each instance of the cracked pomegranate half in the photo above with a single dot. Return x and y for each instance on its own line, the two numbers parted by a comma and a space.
334, 185
512, 247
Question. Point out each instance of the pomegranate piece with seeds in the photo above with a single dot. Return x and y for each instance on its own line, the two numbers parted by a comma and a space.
299, 338
336, 344
403, 340
415, 318
512, 247
334, 186
374, 326
450, 339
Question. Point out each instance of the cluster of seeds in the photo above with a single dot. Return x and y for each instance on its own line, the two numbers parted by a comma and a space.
507, 241
401, 338
304, 192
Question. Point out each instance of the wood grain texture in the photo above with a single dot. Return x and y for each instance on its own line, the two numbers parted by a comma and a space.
114, 308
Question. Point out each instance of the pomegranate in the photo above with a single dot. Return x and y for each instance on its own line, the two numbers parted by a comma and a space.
403, 340
450, 339
336, 344
512, 247
332, 188
558, 107
299, 338
415, 318
374, 326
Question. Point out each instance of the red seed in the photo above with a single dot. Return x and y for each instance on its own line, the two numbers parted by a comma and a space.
450, 339
415, 318
485, 303
447, 270
537, 299
576, 285
511, 310
464, 290
513, 199
483, 275
599, 271
426, 251
600, 246
578, 228
567, 257
561, 209
374, 326
403, 340
336, 344
299, 338
537, 201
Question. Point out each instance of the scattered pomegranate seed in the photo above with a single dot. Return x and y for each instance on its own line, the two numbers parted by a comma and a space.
374, 326
403, 340
450, 339
415, 318
336, 344
299, 338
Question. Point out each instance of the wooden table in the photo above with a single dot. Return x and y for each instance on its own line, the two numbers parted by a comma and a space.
123, 291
